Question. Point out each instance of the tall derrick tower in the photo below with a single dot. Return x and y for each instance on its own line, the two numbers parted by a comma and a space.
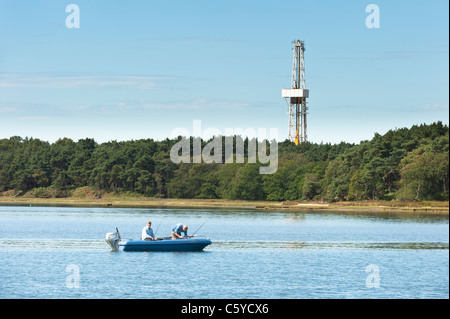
296, 96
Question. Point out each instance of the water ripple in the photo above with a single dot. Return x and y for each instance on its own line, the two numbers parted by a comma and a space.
329, 245
100, 245
51, 244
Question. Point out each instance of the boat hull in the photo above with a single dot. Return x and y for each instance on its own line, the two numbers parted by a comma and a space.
190, 244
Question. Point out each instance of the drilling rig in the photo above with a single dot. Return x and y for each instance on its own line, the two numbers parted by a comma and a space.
296, 96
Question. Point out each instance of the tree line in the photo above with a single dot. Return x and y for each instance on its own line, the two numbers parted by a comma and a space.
403, 164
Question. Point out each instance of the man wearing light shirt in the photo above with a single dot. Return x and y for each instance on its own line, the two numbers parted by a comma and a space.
177, 230
147, 232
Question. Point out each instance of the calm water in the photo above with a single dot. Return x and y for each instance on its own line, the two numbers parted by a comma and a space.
60, 252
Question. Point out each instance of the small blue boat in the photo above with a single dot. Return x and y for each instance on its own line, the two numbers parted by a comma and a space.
193, 243
188, 244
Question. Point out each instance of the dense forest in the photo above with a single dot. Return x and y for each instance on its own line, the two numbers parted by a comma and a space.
403, 164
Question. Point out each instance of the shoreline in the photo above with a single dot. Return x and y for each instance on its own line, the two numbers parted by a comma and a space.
431, 207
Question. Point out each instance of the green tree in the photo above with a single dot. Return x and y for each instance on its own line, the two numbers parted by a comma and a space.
248, 184
424, 176
311, 187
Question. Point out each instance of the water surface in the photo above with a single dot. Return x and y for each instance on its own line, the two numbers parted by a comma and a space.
255, 254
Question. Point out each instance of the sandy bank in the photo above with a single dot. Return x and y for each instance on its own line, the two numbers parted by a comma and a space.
434, 207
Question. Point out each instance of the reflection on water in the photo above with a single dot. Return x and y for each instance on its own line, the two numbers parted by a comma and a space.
220, 245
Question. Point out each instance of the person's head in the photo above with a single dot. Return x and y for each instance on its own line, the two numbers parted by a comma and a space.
185, 227
149, 223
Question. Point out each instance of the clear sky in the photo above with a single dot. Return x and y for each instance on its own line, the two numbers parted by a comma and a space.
139, 69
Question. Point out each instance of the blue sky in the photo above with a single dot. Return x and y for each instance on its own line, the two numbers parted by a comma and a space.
139, 69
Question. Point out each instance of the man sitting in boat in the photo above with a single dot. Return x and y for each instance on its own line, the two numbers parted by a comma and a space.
147, 232
177, 230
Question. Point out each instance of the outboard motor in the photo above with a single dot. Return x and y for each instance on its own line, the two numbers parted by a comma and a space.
113, 240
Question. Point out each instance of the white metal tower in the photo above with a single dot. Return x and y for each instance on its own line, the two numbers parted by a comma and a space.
297, 94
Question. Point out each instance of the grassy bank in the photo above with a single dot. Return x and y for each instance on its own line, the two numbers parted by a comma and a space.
432, 207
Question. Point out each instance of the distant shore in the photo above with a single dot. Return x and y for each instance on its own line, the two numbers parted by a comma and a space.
428, 207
